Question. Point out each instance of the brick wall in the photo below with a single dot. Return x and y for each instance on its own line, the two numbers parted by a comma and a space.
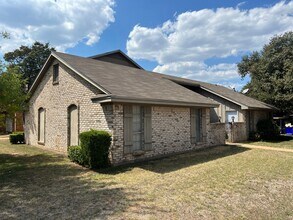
217, 134
170, 133
55, 99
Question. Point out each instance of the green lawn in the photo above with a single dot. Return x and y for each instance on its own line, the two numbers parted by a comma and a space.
226, 182
283, 142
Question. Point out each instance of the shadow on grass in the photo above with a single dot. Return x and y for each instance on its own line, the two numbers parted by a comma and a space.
279, 139
47, 186
180, 161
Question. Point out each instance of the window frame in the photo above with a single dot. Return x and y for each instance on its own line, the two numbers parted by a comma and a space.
55, 74
41, 110
196, 128
141, 126
69, 108
145, 127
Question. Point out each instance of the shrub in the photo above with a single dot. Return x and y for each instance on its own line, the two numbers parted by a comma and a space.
254, 136
75, 154
16, 138
95, 148
267, 129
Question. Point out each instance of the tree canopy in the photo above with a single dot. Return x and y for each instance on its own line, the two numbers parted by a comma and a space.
5, 34
29, 59
271, 72
12, 97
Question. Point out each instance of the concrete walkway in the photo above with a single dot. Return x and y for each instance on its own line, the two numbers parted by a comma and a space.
261, 147
4, 137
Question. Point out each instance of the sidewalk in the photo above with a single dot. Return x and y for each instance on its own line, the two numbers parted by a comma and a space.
4, 137
261, 147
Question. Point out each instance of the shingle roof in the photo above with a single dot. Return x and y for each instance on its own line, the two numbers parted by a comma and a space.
132, 83
120, 82
222, 91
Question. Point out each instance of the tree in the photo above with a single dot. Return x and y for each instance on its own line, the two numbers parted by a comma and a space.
12, 97
5, 34
271, 72
29, 60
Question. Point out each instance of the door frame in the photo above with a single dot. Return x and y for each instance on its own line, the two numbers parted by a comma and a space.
69, 122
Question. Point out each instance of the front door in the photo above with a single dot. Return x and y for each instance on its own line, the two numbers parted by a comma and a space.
73, 125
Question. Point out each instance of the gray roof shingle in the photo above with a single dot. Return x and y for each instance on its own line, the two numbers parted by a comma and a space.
227, 93
133, 83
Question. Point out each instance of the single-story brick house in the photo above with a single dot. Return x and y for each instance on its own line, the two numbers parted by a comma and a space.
149, 115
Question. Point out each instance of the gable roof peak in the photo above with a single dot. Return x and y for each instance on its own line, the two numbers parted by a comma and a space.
118, 57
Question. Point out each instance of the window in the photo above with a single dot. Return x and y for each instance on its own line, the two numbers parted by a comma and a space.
231, 116
137, 128
196, 125
214, 115
56, 74
41, 125
73, 125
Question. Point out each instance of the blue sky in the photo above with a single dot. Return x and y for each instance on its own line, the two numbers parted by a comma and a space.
202, 40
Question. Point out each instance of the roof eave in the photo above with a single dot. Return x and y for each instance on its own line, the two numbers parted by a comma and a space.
117, 99
38, 78
269, 108
244, 107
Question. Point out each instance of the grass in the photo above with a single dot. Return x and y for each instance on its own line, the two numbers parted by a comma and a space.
225, 182
282, 142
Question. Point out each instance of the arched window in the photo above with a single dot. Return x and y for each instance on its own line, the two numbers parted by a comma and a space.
73, 125
41, 125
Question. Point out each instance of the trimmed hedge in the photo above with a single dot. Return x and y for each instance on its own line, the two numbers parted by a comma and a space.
95, 148
267, 129
16, 138
75, 154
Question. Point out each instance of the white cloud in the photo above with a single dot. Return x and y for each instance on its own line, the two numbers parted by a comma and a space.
200, 71
149, 40
63, 23
181, 46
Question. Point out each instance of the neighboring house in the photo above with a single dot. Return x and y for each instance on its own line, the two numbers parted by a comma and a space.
9, 124
147, 114
234, 107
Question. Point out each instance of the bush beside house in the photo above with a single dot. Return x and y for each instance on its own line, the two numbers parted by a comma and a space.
75, 155
16, 138
93, 151
266, 130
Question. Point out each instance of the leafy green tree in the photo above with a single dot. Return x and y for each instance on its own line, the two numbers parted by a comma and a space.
12, 97
29, 59
5, 35
271, 72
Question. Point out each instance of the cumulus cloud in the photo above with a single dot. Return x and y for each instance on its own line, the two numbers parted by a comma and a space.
181, 46
63, 23
200, 71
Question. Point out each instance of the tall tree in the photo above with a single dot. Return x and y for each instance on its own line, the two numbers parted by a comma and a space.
29, 59
271, 72
12, 97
